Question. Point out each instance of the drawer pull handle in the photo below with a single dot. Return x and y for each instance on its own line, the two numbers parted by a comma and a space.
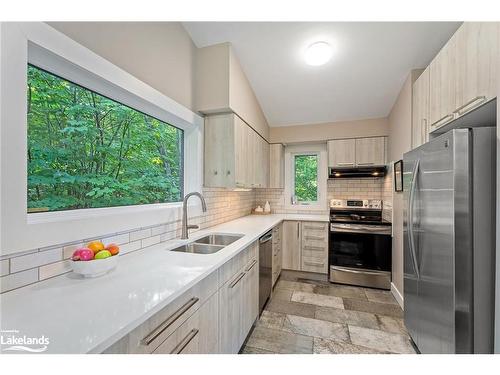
476, 101
314, 228
314, 248
366, 163
313, 264
442, 121
169, 321
315, 238
251, 265
185, 341
233, 284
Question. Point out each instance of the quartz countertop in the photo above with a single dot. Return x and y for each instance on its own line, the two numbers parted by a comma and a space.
87, 315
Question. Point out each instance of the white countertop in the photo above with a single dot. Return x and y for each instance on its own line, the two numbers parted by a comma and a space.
87, 315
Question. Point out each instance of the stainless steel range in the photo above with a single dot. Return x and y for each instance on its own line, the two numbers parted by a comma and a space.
360, 245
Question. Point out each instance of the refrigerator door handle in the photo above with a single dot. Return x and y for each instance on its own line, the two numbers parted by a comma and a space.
410, 218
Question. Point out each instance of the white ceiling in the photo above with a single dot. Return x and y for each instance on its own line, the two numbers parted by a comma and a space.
370, 63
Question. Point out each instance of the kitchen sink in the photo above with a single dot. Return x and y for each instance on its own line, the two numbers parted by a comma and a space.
218, 239
209, 244
198, 248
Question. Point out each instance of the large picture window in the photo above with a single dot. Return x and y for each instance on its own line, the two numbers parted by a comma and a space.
88, 151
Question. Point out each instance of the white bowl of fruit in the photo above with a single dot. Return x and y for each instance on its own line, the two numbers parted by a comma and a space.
95, 259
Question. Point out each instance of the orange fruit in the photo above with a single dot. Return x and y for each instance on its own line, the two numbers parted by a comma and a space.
95, 246
113, 248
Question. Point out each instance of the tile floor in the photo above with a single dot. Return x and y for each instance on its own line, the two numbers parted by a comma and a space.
307, 314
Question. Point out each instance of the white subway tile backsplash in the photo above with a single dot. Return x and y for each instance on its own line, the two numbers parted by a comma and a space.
140, 234
19, 279
129, 247
150, 241
54, 269
4, 267
34, 265
118, 239
35, 260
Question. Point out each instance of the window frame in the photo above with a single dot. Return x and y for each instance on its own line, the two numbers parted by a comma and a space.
317, 155
306, 149
181, 176
38, 43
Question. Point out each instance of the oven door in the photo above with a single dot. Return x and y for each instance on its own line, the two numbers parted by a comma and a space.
360, 254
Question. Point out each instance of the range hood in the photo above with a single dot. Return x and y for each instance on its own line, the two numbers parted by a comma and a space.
361, 172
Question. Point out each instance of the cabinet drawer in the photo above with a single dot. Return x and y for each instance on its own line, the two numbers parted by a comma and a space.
310, 264
197, 335
149, 335
314, 252
314, 241
232, 266
314, 225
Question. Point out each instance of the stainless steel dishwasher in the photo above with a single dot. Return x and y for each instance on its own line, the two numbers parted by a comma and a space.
265, 268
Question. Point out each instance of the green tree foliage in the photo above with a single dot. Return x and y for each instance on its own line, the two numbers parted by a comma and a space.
86, 151
306, 178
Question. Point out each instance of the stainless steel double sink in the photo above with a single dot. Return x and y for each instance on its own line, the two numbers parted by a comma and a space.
209, 244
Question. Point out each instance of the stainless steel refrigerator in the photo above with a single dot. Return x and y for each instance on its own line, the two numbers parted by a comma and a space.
449, 242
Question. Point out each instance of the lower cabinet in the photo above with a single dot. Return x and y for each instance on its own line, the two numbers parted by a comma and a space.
277, 262
291, 245
214, 316
198, 334
239, 305
305, 246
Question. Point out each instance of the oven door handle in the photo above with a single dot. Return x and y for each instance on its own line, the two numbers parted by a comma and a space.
360, 229
363, 272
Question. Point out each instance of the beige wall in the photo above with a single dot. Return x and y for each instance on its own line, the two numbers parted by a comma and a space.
400, 142
331, 130
242, 99
222, 86
212, 79
160, 54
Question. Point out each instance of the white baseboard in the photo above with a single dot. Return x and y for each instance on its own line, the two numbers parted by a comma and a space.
397, 295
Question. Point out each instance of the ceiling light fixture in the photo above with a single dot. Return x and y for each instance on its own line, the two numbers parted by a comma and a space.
318, 53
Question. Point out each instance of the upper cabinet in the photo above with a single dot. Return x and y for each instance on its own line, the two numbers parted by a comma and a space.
420, 110
370, 151
464, 73
477, 59
276, 166
235, 155
342, 153
357, 152
442, 85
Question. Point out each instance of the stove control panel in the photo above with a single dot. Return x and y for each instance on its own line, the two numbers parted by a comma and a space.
356, 203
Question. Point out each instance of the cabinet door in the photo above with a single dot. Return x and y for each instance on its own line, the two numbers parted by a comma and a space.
443, 75
420, 110
291, 245
341, 153
276, 166
265, 163
477, 55
197, 335
250, 309
219, 147
370, 151
242, 150
231, 314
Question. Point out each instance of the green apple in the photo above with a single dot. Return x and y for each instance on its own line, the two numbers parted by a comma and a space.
103, 254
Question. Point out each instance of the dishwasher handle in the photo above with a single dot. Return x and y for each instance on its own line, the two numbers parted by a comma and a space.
266, 237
